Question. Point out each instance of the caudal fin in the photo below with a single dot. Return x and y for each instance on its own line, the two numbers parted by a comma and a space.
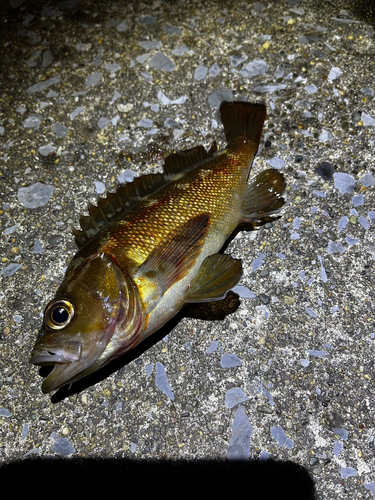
242, 119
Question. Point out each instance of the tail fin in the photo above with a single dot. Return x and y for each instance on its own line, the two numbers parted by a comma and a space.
242, 119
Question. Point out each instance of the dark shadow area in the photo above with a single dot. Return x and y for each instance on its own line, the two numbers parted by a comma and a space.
210, 311
102, 478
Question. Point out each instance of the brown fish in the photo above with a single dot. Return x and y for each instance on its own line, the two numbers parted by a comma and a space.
152, 247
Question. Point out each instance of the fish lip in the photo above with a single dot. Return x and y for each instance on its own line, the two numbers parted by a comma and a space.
52, 355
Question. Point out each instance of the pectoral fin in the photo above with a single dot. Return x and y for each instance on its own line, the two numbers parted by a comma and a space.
263, 197
172, 259
217, 274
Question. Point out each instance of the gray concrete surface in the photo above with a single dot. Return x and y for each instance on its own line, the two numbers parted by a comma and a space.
91, 91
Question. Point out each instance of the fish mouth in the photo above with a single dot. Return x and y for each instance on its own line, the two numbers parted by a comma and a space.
48, 355
66, 362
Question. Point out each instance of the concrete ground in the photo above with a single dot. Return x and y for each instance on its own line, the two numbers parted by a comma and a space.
93, 93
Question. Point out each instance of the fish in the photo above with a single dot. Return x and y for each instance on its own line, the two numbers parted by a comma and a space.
155, 245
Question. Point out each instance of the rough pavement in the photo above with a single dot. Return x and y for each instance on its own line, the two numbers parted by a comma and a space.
94, 93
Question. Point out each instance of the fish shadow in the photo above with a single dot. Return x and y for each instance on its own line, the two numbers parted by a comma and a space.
207, 311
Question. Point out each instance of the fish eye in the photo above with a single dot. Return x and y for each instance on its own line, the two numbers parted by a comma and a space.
59, 313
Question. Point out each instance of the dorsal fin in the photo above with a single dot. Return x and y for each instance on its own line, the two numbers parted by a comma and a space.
180, 160
111, 207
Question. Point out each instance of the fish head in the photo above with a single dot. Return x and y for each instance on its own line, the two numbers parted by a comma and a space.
95, 301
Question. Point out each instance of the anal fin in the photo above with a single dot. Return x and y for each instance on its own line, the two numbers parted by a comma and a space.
263, 197
217, 274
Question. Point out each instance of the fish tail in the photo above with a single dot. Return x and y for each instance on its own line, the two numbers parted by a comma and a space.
242, 119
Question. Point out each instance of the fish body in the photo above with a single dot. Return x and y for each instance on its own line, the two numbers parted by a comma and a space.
152, 247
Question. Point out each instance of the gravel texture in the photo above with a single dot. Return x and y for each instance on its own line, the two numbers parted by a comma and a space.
97, 92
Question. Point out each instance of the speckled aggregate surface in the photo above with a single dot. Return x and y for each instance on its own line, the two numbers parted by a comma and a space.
93, 93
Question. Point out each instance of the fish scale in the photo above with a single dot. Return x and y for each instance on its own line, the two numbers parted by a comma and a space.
154, 246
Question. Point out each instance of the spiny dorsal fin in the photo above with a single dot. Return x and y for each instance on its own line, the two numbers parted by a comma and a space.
180, 160
111, 207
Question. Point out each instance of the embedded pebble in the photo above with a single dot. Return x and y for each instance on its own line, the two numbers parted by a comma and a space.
172, 30
147, 20
180, 50
364, 222
368, 121
239, 446
63, 447
200, 73
268, 89
253, 68
36, 195
33, 121
235, 396
47, 58
169, 122
145, 122
46, 150
325, 136
257, 262
5, 413
161, 381
345, 183
276, 162
93, 79
123, 26
338, 446
237, 60
310, 312
317, 354
218, 96
279, 435
126, 176
38, 87
76, 112
60, 130
37, 248
311, 89
25, 431
370, 487
166, 101
155, 44
230, 361
214, 70
103, 122
112, 68
342, 223
212, 347
334, 247
10, 270
334, 74
148, 369
367, 180
161, 62
243, 292
10, 230
341, 433
99, 187
348, 472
